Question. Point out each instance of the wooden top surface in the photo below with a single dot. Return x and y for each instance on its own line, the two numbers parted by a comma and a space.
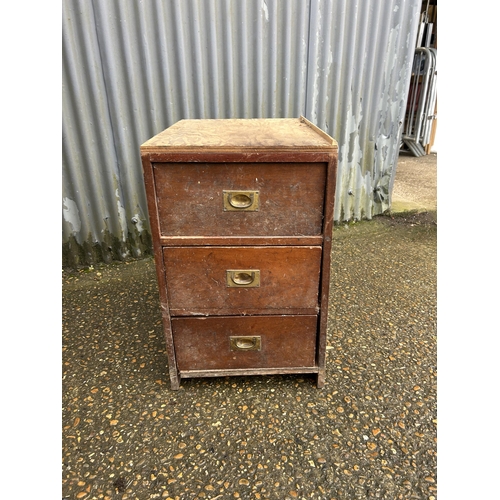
238, 134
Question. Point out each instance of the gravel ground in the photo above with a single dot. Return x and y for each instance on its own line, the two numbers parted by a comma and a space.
369, 433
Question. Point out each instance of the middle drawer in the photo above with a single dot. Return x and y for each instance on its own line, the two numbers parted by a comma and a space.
242, 280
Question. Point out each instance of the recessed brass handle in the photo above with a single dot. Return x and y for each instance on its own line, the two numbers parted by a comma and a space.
245, 343
240, 201
242, 278
248, 278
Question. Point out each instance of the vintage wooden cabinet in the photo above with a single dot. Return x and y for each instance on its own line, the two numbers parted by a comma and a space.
241, 215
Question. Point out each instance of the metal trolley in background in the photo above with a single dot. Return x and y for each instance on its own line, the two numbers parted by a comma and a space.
421, 104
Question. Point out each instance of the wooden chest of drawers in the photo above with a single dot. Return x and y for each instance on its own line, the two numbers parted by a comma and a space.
241, 217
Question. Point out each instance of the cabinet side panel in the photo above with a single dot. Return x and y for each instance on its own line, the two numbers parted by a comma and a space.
325, 268
160, 269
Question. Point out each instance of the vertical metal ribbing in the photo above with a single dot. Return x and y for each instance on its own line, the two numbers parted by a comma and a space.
132, 69
357, 92
89, 152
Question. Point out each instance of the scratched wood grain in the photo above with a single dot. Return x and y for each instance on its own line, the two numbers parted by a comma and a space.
203, 343
190, 198
196, 279
266, 133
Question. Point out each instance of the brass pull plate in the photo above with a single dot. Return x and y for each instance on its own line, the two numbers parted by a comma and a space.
245, 343
240, 201
243, 278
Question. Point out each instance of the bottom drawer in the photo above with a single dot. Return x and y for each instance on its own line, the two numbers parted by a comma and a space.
218, 343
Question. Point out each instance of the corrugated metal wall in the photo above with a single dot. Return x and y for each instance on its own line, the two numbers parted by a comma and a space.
133, 68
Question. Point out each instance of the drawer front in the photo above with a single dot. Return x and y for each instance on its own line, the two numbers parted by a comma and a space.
240, 199
242, 280
217, 343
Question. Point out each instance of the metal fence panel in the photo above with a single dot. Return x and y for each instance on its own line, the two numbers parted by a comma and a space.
361, 54
133, 68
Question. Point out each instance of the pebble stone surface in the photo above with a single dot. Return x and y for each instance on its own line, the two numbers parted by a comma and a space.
369, 433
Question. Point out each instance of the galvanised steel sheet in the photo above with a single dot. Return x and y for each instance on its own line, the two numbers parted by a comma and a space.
133, 68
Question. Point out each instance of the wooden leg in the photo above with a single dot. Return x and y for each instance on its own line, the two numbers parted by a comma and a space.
320, 379
174, 380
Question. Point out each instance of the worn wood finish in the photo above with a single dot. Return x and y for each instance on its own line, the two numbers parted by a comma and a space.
292, 164
325, 270
248, 372
252, 156
176, 241
196, 277
230, 134
160, 269
204, 343
190, 198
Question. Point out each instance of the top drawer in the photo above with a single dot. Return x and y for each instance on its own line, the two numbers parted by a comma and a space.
240, 199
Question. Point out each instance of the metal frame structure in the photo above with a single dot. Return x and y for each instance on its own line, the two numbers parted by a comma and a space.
420, 111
